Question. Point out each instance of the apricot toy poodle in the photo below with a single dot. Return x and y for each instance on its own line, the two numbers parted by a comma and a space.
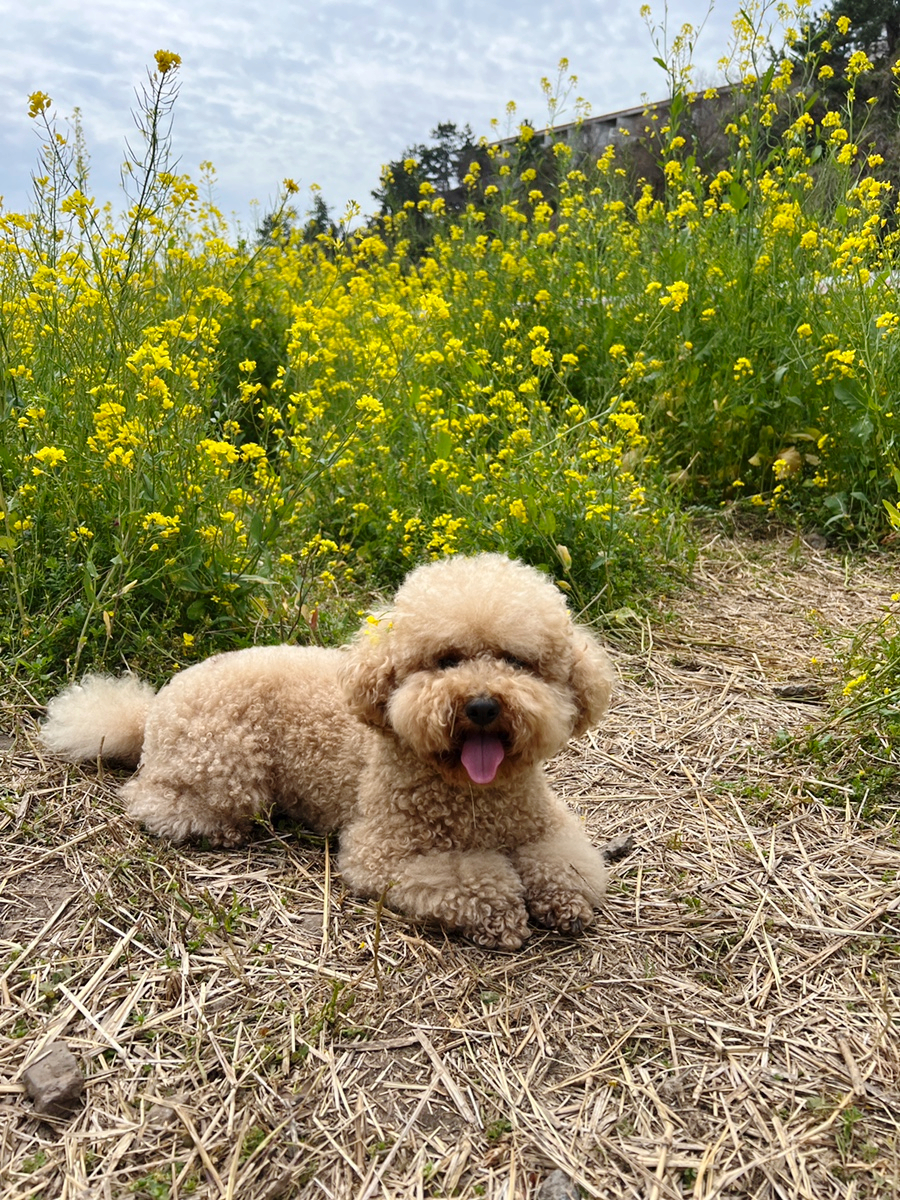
421, 744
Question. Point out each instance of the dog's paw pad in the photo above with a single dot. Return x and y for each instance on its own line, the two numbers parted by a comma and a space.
569, 913
501, 931
222, 837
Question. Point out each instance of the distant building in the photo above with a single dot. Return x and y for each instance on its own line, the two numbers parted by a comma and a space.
592, 135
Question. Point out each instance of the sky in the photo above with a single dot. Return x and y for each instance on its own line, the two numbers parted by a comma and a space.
319, 93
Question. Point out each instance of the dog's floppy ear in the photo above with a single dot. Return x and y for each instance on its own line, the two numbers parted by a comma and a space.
591, 679
367, 673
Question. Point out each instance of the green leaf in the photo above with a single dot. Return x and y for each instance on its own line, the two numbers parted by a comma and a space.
862, 428
738, 196
845, 392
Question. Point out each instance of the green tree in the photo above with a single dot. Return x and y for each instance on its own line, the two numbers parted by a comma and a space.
874, 28
275, 228
319, 221
830, 42
442, 165
870, 26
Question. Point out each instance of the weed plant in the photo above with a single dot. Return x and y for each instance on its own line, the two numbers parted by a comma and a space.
206, 443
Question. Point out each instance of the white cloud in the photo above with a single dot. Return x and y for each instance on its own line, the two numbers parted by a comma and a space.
322, 93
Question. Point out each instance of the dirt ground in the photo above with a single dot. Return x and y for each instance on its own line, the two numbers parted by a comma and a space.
728, 1028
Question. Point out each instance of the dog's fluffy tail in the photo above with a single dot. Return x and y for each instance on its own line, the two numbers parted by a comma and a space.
100, 717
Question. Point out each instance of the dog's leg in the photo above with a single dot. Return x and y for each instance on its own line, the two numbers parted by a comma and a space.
564, 877
217, 812
476, 893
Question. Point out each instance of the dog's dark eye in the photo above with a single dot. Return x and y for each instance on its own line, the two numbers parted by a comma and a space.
516, 662
448, 660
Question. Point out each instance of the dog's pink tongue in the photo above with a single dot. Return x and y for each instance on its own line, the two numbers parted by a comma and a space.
482, 754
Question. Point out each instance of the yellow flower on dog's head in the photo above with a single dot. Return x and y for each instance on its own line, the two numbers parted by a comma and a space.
375, 626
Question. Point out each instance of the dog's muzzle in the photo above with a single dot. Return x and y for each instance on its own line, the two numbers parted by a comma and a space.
482, 752
483, 710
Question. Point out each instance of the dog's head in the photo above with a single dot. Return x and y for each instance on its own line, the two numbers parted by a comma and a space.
478, 669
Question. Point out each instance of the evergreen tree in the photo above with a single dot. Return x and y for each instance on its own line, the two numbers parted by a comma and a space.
442, 165
874, 28
836, 40
870, 26
318, 221
276, 227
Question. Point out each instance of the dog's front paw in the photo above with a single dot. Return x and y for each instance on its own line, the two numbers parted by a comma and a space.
556, 908
504, 929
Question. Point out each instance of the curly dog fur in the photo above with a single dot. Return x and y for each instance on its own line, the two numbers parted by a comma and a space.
421, 743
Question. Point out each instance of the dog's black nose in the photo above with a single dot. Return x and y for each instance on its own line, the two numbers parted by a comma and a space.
482, 710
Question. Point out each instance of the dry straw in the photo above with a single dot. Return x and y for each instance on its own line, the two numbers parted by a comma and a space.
728, 1029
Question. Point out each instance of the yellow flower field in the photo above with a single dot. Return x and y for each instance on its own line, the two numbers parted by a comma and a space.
206, 442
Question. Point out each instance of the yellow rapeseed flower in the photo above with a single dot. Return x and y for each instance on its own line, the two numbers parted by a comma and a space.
676, 295
38, 102
853, 684
50, 456
167, 61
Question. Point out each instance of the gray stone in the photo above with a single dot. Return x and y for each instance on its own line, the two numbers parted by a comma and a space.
160, 1116
558, 1186
618, 848
55, 1082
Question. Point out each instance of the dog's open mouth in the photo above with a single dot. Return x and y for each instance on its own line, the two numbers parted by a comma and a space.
481, 755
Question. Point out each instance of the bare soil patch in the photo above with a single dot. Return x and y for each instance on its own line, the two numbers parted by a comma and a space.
728, 1028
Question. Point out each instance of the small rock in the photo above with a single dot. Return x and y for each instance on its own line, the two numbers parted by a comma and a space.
801, 689
55, 1082
160, 1116
161, 1119
671, 1090
618, 848
277, 1187
558, 1186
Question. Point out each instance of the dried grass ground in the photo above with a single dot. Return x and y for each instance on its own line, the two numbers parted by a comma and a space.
729, 1028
